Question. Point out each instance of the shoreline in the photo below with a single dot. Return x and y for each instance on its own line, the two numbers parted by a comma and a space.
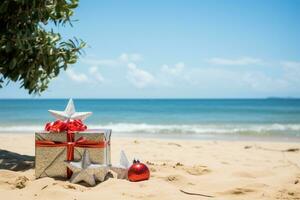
196, 137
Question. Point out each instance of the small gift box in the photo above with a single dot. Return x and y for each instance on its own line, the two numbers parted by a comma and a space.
65, 140
53, 149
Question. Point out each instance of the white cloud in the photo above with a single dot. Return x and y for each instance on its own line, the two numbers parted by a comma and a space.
227, 81
138, 77
290, 64
134, 57
99, 62
76, 76
291, 72
238, 61
123, 58
121, 61
171, 75
94, 72
259, 81
213, 77
93, 76
176, 70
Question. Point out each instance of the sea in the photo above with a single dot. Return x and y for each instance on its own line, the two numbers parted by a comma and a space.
272, 118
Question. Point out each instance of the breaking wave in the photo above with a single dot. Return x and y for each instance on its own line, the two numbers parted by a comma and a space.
154, 129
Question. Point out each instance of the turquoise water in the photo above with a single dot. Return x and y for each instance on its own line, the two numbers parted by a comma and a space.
199, 117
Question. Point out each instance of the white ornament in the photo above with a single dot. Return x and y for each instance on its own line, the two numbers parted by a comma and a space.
86, 171
70, 113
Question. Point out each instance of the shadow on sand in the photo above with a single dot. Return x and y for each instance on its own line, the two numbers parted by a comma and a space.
14, 161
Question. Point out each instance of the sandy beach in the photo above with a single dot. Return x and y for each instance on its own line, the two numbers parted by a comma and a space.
205, 93
180, 169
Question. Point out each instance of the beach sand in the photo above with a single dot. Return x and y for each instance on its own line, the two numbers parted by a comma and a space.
222, 169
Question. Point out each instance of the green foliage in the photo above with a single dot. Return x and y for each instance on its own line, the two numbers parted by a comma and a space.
29, 53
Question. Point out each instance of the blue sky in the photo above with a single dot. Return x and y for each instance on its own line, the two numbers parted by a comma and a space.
181, 49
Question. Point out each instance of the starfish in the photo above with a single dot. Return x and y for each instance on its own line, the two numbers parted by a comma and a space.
86, 171
70, 113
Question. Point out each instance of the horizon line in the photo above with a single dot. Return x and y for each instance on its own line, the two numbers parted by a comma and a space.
162, 98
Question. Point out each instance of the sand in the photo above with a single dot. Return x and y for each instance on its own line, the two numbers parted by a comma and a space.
180, 169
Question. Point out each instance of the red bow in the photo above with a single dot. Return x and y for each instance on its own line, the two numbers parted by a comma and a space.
69, 125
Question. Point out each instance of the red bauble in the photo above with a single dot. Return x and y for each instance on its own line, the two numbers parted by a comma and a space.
138, 172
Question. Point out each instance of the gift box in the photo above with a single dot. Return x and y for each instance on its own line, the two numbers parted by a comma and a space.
52, 149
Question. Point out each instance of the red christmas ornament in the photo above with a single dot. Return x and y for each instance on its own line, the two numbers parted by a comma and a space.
138, 172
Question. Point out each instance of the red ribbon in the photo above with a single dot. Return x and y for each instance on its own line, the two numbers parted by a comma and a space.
69, 127
80, 142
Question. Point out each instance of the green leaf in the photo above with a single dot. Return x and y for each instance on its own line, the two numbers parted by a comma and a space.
4, 6
29, 53
13, 63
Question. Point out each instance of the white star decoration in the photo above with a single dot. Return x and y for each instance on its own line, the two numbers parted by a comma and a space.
86, 171
122, 168
70, 113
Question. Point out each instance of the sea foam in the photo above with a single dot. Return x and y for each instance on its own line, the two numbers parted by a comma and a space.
143, 128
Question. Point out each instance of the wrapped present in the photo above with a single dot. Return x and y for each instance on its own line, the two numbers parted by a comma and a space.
65, 140
53, 149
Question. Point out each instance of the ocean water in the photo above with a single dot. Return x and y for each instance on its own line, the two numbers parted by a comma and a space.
202, 118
